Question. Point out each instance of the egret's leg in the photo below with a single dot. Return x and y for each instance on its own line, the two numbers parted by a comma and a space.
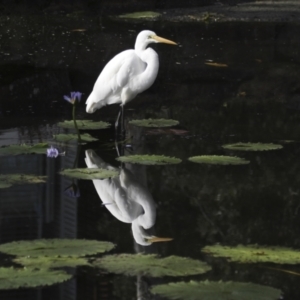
122, 122
117, 121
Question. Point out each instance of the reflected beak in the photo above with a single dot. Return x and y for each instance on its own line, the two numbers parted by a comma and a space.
155, 239
162, 40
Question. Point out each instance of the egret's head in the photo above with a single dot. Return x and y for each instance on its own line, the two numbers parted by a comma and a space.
147, 37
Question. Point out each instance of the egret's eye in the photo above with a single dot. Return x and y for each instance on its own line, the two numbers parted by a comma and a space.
149, 36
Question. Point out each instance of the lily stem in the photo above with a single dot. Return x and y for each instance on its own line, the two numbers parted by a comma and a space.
75, 124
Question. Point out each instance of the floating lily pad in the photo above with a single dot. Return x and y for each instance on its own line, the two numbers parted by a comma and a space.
8, 180
84, 124
149, 159
40, 148
255, 254
141, 15
219, 160
154, 123
62, 137
48, 262
210, 290
54, 247
252, 147
151, 265
86, 173
12, 278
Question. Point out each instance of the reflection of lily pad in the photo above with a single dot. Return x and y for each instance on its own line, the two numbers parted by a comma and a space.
252, 147
84, 124
51, 261
40, 148
255, 254
151, 265
16, 278
219, 160
141, 15
149, 159
93, 173
154, 123
62, 137
61, 247
7, 180
210, 290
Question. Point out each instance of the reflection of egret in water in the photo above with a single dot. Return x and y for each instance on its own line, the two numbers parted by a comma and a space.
126, 199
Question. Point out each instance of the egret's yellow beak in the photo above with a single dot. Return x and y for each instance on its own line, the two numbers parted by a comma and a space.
162, 40
155, 239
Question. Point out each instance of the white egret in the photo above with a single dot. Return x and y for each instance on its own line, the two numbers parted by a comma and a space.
129, 73
126, 199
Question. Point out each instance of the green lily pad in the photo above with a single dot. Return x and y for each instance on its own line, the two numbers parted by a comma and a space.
12, 278
252, 147
219, 160
86, 173
63, 137
55, 247
48, 262
8, 180
149, 159
154, 123
141, 15
255, 254
84, 124
151, 265
40, 148
211, 290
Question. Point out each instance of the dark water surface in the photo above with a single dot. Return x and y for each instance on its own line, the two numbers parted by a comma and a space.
256, 98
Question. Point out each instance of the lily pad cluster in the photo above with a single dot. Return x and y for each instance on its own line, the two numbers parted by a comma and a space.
39, 148
40, 257
8, 180
151, 265
149, 159
255, 254
89, 174
84, 124
252, 147
68, 137
219, 160
154, 122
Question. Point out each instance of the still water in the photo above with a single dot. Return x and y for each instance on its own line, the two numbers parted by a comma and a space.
252, 94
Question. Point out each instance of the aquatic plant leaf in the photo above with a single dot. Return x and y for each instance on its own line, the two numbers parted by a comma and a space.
12, 278
252, 147
39, 148
84, 124
141, 15
63, 137
89, 174
211, 290
8, 180
54, 247
255, 254
48, 262
154, 123
215, 64
219, 160
149, 159
151, 265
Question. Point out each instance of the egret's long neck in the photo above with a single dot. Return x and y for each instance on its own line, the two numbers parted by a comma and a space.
146, 78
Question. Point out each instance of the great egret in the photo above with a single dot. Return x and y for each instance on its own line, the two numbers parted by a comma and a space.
126, 199
129, 73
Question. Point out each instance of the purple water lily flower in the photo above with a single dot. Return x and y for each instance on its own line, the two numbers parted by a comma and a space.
72, 191
75, 96
53, 152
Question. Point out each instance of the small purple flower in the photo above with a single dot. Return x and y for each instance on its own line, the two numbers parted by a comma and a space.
72, 191
75, 96
53, 152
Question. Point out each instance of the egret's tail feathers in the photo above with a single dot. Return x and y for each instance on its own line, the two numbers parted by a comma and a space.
93, 103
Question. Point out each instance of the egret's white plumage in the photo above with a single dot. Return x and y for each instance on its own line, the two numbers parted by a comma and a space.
126, 199
129, 73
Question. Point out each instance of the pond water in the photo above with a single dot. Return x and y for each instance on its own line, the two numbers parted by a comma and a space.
251, 94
